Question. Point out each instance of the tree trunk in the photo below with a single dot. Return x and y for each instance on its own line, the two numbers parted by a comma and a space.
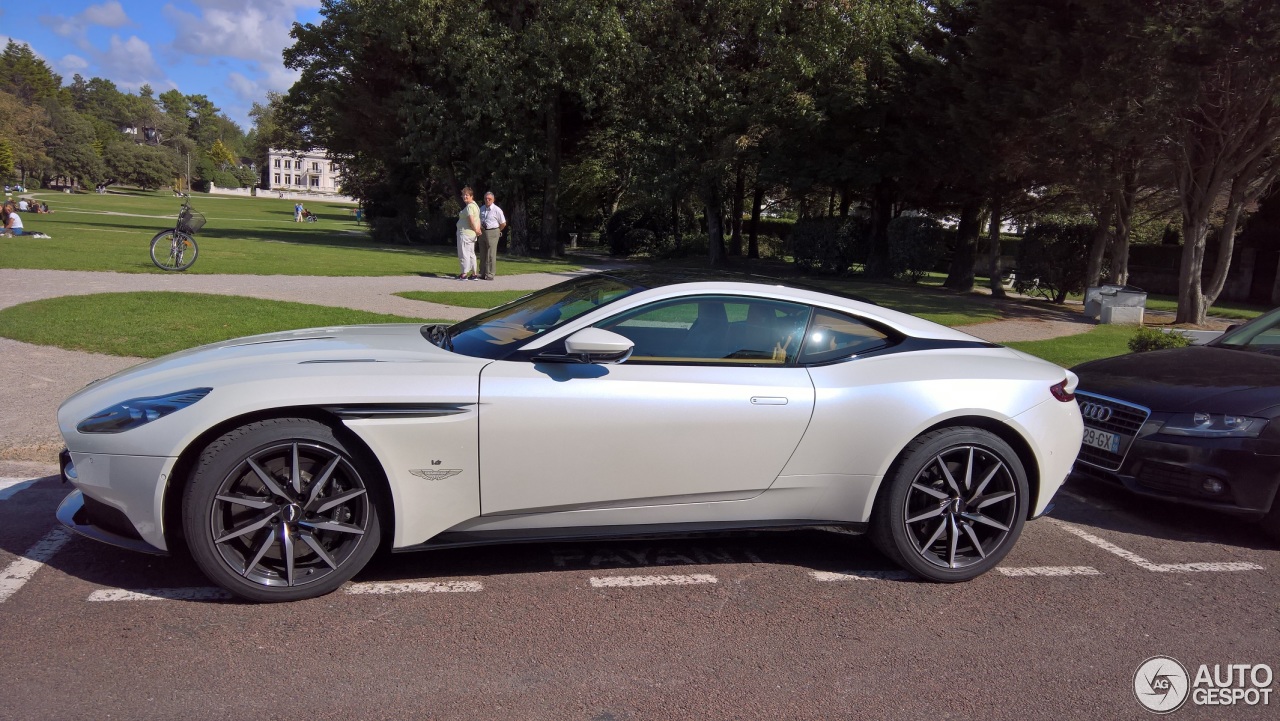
881, 213
675, 219
739, 193
960, 274
846, 199
1098, 248
1191, 306
550, 218
715, 222
753, 245
993, 247
518, 220
831, 203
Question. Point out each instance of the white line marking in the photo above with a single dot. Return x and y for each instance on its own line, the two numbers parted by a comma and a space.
416, 587
861, 576
634, 581
1050, 571
10, 486
197, 593
16, 575
1143, 563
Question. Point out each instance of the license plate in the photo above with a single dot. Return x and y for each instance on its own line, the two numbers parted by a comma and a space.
1102, 439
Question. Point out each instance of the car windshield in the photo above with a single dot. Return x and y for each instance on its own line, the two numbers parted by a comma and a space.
495, 333
1261, 334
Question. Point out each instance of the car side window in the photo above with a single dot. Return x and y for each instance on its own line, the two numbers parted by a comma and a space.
835, 335
721, 330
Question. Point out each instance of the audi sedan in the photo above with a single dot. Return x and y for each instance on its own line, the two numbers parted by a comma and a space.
1195, 425
609, 405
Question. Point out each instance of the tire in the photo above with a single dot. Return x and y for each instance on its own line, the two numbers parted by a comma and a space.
952, 505
281, 510
172, 250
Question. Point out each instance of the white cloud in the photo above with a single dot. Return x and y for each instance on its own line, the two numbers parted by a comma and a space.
256, 30
243, 87
109, 14
71, 64
128, 62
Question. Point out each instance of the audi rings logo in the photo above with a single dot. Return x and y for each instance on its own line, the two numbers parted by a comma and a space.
1095, 412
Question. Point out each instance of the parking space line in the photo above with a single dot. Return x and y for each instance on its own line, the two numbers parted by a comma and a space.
861, 576
1143, 563
16, 574
1050, 571
635, 581
415, 587
11, 486
195, 593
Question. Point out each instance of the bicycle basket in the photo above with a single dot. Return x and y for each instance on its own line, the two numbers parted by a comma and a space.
190, 221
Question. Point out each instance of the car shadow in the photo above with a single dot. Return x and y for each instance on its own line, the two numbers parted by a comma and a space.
1109, 507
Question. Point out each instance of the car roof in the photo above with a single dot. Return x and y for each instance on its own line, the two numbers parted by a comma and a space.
649, 279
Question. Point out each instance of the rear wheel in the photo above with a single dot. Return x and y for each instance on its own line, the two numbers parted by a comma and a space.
172, 250
954, 504
281, 510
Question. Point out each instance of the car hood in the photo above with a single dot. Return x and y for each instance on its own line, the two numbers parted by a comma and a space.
1197, 378
265, 354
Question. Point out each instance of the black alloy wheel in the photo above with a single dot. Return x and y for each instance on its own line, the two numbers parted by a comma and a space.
279, 511
955, 503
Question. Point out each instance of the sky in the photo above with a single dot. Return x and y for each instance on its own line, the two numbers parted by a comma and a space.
228, 50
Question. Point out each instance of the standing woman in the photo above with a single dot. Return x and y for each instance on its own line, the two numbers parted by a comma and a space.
468, 231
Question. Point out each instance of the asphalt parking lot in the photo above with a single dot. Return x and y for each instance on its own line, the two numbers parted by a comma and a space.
800, 624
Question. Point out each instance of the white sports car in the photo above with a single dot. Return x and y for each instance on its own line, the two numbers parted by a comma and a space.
614, 404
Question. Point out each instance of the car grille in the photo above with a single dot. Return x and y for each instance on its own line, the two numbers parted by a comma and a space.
1126, 419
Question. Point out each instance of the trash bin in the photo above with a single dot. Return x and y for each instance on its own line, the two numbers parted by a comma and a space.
1118, 304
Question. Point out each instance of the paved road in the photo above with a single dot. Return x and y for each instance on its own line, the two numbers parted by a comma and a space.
795, 625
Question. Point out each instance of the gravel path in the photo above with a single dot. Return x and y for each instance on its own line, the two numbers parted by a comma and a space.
38, 378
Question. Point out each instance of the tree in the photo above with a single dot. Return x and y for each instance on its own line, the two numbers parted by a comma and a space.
221, 155
25, 75
145, 166
1222, 64
72, 152
26, 128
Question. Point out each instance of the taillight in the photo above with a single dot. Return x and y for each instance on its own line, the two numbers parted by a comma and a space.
1059, 391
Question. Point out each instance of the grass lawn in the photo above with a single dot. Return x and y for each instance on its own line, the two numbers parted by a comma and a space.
1221, 309
255, 236
1103, 341
153, 324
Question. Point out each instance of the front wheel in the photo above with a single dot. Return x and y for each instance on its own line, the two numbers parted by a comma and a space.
172, 250
954, 504
281, 510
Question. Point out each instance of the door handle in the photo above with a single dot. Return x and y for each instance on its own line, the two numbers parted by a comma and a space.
768, 400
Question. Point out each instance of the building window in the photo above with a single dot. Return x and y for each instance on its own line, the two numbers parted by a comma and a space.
277, 180
288, 179
277, 162
315, 167
315, 181
288, 164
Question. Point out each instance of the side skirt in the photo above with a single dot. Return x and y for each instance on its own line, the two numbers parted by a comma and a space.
462, 539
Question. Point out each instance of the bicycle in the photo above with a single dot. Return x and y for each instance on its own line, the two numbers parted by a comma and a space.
176, 249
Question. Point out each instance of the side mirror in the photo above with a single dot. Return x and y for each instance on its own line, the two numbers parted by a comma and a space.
597, 345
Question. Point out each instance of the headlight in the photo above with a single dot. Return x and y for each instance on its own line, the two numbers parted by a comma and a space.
1214, 425
139, 411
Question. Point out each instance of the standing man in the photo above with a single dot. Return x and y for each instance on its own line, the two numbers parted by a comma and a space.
297, 212
494, 221
468, 231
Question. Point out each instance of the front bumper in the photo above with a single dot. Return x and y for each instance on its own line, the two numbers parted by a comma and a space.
118, 499
1177, 469
101, 522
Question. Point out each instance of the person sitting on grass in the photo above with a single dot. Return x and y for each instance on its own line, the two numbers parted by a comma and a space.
12, 221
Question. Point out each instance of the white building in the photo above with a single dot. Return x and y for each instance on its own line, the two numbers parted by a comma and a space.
298, 171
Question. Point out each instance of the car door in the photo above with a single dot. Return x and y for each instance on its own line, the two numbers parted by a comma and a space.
709, 407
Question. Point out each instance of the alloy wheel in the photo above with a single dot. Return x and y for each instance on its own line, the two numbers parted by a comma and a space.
961, 506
